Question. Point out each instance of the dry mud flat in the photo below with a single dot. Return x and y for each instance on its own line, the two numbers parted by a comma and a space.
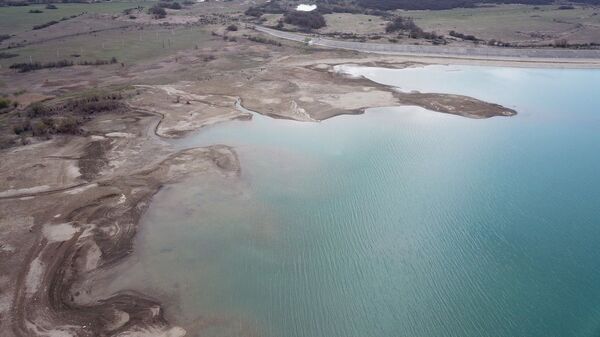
70, 206
53, 240
304, 93
93, 228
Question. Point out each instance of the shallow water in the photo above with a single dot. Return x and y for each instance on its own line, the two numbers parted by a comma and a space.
399, 222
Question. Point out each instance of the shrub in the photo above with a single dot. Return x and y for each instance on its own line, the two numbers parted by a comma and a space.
4, 37
51, 6
209, 58
254, 11
21, 128
561, 43
37, 110
39, 128
174, 5
35, 11
5, 55
271, 7
157, 12
4, 103
69, 125
47, 24
400, 23
306, 20
31, 66
463, 36
261, 39
232, 28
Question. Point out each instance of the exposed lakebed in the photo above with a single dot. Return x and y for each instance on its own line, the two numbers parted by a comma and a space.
398, 222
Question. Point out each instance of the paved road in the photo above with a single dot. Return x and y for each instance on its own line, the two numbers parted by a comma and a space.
483, 52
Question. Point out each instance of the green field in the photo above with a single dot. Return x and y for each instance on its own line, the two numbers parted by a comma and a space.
18, 19
513, 22
127, 45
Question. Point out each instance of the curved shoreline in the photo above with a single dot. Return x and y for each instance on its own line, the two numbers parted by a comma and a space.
76, 237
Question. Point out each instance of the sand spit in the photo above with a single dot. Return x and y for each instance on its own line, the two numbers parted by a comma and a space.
318, 92
307, 93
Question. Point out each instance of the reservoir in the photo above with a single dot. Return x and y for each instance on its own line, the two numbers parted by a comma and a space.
397, 222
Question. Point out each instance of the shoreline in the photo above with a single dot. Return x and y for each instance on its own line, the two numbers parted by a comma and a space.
95, 222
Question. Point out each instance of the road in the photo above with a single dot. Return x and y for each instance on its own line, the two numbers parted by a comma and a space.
480, 52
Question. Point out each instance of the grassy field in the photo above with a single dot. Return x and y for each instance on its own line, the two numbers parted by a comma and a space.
127, 45
509, 23
366, 24
18, 19
514, 22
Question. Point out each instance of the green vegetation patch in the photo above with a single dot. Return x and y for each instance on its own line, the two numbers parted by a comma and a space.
305, 20
32, 66
128, 45
15, 19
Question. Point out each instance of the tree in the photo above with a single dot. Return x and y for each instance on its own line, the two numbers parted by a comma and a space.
307, 20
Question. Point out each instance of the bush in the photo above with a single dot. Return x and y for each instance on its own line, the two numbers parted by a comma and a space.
4, 103
68, 125
306, 20
157, 12
463, 36
401, 23
39, 128
32, 66
232, 28
261, 39
5, 55
35, 11
4, 37
47, 24
174, 5
272, 7
37, 110
254, 11
51, 6
21, 128
561, 43
404, 24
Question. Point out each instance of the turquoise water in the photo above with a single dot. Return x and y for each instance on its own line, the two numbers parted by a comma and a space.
399, 222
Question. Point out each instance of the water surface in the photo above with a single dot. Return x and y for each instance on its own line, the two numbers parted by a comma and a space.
399, 222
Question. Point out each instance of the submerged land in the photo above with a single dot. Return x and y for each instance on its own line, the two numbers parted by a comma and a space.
90, 101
